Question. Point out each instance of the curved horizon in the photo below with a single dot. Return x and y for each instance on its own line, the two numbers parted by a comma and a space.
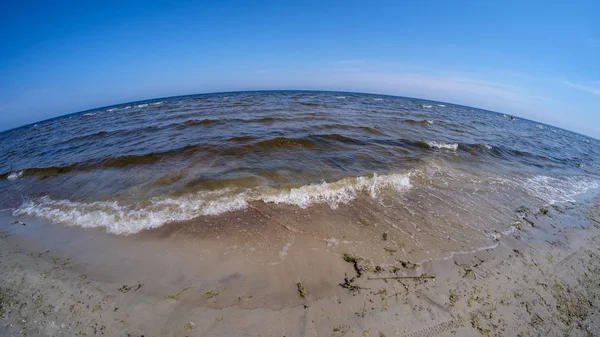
280, 90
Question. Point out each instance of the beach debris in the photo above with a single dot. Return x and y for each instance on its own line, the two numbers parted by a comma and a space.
522, 209
408, 264
301, 290
529, 221
349, 284
452, 300
421, 277
244, 299
469, 274
125, 288
389, 251
210, 294
385, 235
360, 265
474, 297
341, 329
544, 211
39, 254
380, 292
476, 324
366, 333
189, 326
19, 223
176, 296
518, 252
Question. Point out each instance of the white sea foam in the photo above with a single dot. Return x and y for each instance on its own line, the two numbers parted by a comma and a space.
122, 218
158, 103
141, 106
442, 105
339, 192
427, 106
378, 99
487, 146
539, 126
447, 146
15, 175
340, 97
558, 189
89, 114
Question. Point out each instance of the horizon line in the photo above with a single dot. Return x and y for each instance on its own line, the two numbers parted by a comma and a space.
272, 90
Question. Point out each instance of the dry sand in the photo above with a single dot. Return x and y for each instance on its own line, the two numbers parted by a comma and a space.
542, 279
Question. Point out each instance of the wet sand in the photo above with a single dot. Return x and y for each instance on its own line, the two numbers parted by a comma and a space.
269, 278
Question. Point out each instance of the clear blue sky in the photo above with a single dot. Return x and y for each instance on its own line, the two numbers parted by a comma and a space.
536, 59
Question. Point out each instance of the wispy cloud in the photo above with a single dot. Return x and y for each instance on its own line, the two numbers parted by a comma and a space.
592, 88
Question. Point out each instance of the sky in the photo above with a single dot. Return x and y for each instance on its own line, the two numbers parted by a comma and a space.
535, 59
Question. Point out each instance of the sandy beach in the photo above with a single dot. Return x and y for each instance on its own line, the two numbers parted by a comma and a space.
541, 279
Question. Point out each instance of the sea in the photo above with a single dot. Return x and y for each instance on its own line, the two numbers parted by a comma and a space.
428, 177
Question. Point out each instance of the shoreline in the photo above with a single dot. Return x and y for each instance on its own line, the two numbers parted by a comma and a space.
542, 278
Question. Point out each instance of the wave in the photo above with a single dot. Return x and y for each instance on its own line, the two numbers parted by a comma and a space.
193, 122
263, 120
558, 189
284, 142
121, 218
116, 162
119, 108
474, 148
89, 114
418, 122
365, 129
446, 146
14, 175
241, 139
266, 120
339, 138
86, 137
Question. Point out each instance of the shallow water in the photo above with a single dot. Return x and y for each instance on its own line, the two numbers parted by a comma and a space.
412, 168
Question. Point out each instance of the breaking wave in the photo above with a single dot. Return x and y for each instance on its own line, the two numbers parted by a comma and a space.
14, 175
119, 218
446, 146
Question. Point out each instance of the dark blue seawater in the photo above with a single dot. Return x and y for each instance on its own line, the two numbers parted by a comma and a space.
443, 168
